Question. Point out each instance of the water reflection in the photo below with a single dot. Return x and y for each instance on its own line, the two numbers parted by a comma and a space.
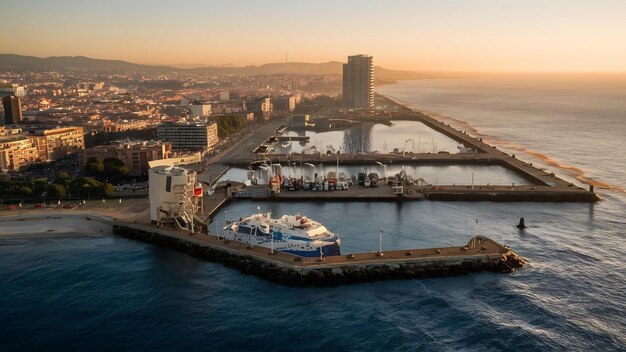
433, 174
358, 139
369, 137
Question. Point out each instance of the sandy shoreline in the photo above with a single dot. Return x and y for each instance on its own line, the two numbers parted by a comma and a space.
55, 222
53, 225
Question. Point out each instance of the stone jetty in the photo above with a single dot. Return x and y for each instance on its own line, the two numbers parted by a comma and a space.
479, 254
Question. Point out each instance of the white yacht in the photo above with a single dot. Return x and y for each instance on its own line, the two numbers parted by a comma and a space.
293, 234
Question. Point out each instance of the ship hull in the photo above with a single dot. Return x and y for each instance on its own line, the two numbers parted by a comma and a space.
298, 248
327, 250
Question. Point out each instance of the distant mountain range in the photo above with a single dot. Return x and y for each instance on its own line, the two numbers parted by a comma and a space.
61, 63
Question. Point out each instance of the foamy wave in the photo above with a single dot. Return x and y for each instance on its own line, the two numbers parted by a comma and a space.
571, 170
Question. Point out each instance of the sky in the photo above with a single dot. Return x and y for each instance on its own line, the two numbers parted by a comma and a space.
420, 35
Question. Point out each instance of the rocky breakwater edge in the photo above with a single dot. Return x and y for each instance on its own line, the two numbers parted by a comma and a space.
344, 269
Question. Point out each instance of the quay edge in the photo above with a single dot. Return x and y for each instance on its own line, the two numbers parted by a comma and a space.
489, 257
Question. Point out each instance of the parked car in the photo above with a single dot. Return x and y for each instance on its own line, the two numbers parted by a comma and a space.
373, 179
361, 178
342, 185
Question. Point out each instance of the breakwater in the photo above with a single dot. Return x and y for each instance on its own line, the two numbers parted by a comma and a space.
546, 186
479, 254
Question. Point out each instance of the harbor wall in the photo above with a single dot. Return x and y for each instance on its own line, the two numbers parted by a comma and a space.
513, 196
332, 273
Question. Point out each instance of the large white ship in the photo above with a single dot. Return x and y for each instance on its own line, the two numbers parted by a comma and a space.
293, 234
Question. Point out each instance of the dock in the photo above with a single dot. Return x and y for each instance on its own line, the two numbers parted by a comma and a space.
479, 254
384, 193
545, 186
293, 138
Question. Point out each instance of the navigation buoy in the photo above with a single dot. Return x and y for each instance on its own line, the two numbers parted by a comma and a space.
521, 224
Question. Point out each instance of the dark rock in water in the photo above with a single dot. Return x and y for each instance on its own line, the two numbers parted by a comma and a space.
521, 224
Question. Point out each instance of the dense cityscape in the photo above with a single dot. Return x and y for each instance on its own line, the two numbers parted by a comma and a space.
63, 120
311, 176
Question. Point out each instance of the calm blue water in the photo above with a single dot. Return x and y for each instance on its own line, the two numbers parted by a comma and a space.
109, 293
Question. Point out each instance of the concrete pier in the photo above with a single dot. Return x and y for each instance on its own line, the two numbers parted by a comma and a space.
546, 187
479, 254
442, 193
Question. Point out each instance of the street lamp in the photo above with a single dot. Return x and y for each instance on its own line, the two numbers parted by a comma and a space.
380, 243
311, 165
295, 172
384, 167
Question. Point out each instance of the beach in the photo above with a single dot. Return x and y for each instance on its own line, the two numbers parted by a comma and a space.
89, 220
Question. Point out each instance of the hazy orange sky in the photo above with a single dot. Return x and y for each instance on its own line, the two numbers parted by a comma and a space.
444, 35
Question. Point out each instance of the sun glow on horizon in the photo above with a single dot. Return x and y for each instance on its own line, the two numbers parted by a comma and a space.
474, 36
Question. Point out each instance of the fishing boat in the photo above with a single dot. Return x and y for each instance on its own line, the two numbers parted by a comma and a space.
465, 150
293, 234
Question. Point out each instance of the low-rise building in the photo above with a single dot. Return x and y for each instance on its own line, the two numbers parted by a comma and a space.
16, 152
136, 156
189, 136
261, 107
228, 107
55, 143
285, 103
188, 159
9, 130
300, 121
12, 89
89, 86
200, 109
127, 125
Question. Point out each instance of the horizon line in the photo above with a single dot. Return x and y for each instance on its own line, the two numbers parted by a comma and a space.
414, 70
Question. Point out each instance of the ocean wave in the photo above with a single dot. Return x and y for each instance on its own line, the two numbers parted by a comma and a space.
571, 170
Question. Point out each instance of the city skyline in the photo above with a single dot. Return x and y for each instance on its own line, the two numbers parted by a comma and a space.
479, 35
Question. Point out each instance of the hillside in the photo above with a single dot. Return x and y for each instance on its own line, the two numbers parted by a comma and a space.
61, 63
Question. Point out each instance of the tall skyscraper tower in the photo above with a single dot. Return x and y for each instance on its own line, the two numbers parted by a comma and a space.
358, 82
12, 109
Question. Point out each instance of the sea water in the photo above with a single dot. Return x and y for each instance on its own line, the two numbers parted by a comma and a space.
111, 293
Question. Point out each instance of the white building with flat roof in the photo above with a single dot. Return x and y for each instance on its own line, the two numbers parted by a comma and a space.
203, 109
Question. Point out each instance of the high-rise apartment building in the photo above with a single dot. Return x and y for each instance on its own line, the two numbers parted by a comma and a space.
358, 82
12, 109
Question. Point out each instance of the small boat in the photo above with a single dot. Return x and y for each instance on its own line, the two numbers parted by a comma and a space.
293, 234
464, 150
